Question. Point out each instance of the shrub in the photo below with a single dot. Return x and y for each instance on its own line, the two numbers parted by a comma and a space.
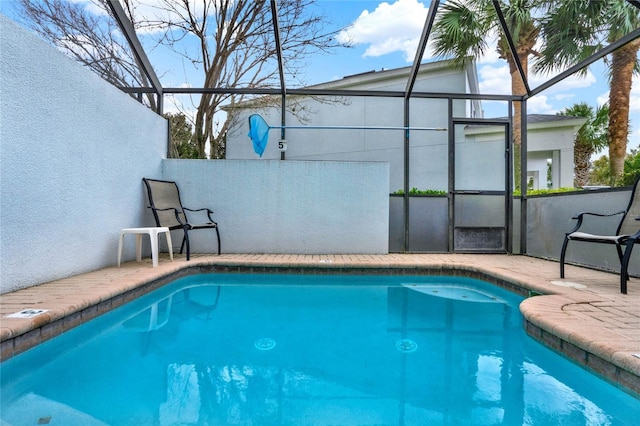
548, 191
416, 191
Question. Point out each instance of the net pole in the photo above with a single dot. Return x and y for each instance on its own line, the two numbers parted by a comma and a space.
438, 129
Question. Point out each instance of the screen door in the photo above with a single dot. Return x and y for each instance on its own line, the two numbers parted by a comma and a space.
478, 188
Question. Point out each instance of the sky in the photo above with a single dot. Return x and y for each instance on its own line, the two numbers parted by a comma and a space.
385, 35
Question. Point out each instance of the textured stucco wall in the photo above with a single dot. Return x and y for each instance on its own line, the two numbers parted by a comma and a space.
73, 151
274, 206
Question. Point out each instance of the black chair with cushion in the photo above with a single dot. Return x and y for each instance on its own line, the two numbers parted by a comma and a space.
627, 235
164, 201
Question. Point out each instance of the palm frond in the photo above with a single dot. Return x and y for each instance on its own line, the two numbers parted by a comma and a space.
459, 32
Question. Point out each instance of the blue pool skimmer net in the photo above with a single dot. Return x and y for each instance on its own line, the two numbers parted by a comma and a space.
259, 130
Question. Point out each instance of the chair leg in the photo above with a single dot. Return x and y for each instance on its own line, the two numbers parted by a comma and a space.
621, 256
624, 275
218, 235
562, 254
186, 241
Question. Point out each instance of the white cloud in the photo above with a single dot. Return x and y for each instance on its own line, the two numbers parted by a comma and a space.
389, 28
634, 104
157, 11
562, 97
603, 99
573, 82
180, 103
634, 114
493, 76
494, 80
634, 100
539, 105
491, 55
634, 138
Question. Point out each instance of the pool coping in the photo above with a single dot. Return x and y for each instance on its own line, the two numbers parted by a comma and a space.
574, 334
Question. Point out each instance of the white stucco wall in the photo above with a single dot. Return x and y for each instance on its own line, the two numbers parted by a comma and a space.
537, 166
273, 206
553, 139
73, 151
428, 161
559, 143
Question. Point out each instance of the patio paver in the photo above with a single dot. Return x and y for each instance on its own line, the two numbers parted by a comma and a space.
583, 316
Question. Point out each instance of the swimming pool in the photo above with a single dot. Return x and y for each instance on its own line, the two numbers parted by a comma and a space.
307, 350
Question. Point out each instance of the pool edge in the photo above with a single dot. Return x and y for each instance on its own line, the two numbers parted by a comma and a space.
614, 366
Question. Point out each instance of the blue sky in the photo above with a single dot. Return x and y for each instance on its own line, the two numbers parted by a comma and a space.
385, 34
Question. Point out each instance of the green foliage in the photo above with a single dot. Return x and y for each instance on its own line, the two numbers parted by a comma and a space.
416, 191
181, 136
590, 138
631, 168
601, 174
547, 191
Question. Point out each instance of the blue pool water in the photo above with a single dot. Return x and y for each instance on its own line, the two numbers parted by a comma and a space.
234, 349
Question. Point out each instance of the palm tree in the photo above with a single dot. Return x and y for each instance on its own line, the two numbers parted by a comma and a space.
590, 138
574, 30
461, 31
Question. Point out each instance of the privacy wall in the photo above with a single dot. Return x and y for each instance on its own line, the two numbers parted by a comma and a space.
550, 217
73, 152
273, 206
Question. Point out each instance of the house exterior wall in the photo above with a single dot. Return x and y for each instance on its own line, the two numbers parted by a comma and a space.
556, 143
551, 140
537, 168
428, 166
69, 184
366, 145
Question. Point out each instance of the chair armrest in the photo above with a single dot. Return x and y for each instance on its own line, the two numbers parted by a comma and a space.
580, 216
209, 212
176, 211
198, 210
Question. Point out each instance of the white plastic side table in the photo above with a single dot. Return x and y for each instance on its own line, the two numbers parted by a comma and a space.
153, 236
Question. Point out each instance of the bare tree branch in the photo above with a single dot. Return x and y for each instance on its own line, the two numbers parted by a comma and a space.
234, 38
91, 39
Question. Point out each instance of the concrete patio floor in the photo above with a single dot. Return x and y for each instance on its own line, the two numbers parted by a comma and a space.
583, 316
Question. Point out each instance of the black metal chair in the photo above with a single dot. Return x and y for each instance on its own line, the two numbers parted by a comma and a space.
164, 201
627, 234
